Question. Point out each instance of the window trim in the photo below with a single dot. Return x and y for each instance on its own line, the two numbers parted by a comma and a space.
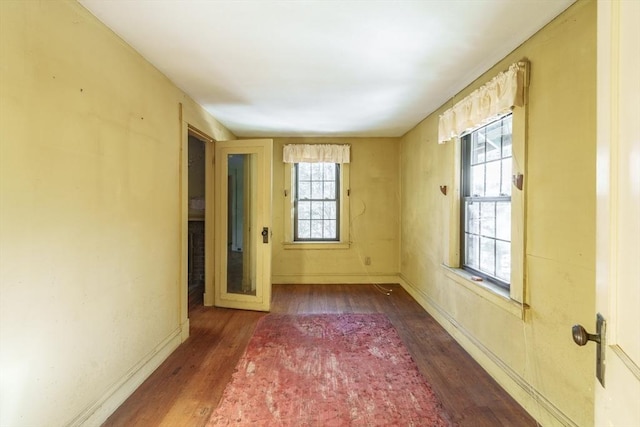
518, 292
289, 211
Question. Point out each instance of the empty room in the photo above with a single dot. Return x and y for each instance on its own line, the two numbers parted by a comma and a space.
316, 213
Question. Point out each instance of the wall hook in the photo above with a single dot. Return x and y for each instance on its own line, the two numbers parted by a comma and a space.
443, 189
518, 180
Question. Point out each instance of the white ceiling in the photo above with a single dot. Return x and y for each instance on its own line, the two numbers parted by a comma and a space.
323, 68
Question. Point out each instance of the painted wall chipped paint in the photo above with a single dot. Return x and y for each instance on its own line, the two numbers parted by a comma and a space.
90, 166
538, 353
374, 212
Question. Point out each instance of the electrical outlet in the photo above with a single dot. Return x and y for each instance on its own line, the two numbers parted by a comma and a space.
367, 260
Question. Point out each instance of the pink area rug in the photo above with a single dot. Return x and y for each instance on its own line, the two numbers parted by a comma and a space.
327, 370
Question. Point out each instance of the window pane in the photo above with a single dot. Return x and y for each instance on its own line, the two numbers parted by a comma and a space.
330, 210
304, 210
316, 210
329, 229
316, 190
507, 131
503, 220
317, 171
487, 255
506, 177
493, 141
304, 190
329, 171
304, 229
488, 219
329, 190
477, 148
477, 180
304, 171
506, 145
473, 218
503, 261
472, 244
316, 229
494, 178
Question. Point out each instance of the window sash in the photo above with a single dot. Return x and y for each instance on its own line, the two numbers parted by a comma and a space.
484, 245
323, 213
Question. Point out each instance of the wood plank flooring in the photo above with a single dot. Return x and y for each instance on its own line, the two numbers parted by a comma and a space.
186, 388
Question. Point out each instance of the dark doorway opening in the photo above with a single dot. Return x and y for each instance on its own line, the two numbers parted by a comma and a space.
197, 224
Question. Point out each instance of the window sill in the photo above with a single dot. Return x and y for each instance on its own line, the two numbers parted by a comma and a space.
486, 290
316, 245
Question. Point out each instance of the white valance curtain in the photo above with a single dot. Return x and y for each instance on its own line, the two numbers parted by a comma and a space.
316, 153
493, 99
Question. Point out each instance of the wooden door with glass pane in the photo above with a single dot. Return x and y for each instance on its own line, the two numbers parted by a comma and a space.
243, 172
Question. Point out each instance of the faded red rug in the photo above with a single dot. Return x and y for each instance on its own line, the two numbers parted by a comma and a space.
327, 370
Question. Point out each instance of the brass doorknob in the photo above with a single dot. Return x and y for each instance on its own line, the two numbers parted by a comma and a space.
581, 336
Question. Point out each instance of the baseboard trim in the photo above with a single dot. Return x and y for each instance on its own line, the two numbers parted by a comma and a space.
543, 410
184, 330
96, 413
328, 279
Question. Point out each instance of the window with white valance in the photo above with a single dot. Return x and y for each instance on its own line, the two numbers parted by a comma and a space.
497, 97
487, 130
316, 194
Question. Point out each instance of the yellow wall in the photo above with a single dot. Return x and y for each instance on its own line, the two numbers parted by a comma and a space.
93, 203
374, 212
538, 353
90, 214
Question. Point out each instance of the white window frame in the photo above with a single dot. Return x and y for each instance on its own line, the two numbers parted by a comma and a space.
289, 213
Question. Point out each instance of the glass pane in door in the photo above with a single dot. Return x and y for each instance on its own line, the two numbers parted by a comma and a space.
241, 224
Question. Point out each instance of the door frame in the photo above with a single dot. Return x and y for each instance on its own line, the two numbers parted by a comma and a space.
187, 129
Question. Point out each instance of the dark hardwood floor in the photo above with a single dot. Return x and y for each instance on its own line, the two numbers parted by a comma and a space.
186, 388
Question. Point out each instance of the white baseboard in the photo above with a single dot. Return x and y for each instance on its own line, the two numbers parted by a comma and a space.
539, 407
96, 413
338, 279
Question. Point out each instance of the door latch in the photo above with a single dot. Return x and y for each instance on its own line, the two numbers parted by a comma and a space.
265, 234
582, 337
